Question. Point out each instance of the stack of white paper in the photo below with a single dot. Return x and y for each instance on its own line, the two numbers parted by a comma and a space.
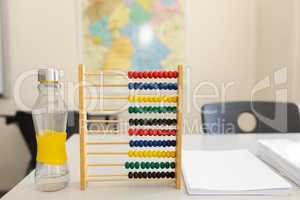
283, 155
236, 172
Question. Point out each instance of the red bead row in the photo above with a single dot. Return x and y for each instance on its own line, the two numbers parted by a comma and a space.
152, 74
152, 132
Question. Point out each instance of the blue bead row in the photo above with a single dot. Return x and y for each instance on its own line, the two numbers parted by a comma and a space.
152, 86
152, 143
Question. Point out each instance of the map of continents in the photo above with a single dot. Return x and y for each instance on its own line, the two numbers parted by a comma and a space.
133, 34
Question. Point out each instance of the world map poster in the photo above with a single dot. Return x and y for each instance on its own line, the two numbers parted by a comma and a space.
133, 34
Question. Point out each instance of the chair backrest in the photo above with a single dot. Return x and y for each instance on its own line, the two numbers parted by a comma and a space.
269, 117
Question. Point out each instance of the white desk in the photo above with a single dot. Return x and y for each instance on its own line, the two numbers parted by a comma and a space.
25, 189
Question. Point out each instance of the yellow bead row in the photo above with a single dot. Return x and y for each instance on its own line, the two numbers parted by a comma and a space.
149, 153
154, 99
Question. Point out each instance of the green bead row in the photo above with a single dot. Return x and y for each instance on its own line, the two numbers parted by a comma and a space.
149, 165
152, 109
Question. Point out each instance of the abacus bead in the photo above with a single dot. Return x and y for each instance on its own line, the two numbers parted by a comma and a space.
159, 121
167, 165
175, 86
131, 110
173, 132
131, 122
144, 174
145, 86
173, 154
131, 143
134, 75
153, 174
130, 86
162, 165
139, 75
158, 132
158, 143
163, 174
154, 154
129, 74
140, 122
140, 143
127, 165
131, 132
163, 143
135, 154
149, 143
143, 165
135, 175
131, 165
174, 143
145, 74
170, 74
140, 175
173, 165
157, 165
165, 74
130, 175
175, 74
137, 165
149, 175
164, 154
168, 175
168, 154
166, 86
158, 175
172, 174
150, 74
160, 74
166, 143
152, 165
146, 143
147, 165
155, 74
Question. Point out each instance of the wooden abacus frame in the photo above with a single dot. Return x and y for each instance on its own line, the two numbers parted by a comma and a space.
84, 177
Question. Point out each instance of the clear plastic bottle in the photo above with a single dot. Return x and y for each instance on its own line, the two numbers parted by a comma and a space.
50, 119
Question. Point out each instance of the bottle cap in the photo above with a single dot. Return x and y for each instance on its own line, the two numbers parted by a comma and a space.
48, 75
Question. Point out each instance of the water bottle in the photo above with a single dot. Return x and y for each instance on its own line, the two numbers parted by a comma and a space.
50, 120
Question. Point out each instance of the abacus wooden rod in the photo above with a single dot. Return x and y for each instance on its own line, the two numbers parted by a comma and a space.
106, 175
106, 180
107, 153
104, 121
107, 97
105, 110
108, 143
107, 85
82, 129
107, 73
179, 126
106, 165
100, 131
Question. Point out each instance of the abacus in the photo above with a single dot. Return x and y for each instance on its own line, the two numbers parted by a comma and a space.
153, 144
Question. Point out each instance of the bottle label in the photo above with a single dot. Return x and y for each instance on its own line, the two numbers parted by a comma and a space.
51, 147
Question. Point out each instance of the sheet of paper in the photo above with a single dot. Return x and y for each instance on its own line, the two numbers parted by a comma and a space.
231, 171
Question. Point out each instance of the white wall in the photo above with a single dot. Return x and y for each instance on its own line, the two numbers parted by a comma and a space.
221, 48
276, 43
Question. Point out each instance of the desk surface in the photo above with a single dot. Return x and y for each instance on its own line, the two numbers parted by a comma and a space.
25, 189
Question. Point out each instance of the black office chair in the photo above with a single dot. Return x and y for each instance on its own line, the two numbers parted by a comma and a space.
267, 117
25, 123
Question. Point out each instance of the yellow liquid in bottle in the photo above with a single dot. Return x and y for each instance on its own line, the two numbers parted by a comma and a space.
51, 147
